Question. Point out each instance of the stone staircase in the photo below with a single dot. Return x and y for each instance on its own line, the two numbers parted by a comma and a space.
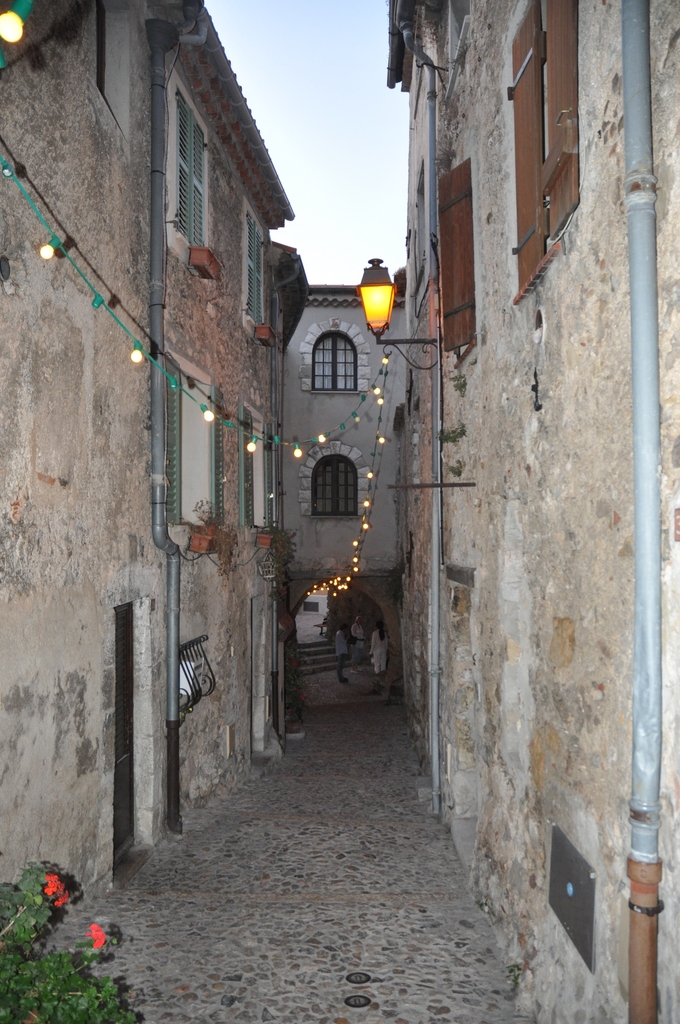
317, 656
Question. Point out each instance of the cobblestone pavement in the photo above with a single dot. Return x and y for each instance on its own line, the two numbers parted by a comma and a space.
324, 866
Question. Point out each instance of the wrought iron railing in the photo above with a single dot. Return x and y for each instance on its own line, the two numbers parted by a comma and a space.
196, 677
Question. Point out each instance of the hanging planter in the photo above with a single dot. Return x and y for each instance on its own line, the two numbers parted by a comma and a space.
203, 538
264, 540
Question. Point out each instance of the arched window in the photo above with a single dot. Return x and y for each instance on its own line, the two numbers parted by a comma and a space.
334, 487
334, 364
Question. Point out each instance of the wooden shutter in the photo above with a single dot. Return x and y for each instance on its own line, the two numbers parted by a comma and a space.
173, 458
254, 241
560, 170
123, 778
246, 509
184, 169
457, 257
217, 455
526, 92
197, 162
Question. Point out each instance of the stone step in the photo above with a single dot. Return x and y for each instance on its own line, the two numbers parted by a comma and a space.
311, 670
311, 645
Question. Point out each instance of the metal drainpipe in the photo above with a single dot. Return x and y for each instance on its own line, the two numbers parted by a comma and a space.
276, 475
404, 20
644, 866
162, 37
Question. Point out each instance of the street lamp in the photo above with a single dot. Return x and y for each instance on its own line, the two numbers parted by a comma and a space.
377, 292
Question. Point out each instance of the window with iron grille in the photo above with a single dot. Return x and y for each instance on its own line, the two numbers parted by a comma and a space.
334, 487
254, 243
190, 174
335, 364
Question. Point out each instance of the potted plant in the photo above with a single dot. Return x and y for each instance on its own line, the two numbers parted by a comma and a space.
42, 988
204, 533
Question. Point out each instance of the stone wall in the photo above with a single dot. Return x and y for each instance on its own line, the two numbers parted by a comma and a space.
537, 679
75, 537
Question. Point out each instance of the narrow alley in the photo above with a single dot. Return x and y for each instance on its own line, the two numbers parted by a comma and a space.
325, 866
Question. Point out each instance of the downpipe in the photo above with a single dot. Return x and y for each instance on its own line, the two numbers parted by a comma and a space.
162, 37
644, 865
405, 23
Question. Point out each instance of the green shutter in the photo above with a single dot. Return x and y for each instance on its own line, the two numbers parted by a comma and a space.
245, 465
217, 449
268, 482
190, 174
173, 460
254, 240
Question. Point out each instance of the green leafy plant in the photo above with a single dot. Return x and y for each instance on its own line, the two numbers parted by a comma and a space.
514, 973
294, 682
457, 468
459, 381
283, 551
454, 435
52, 988
395, 584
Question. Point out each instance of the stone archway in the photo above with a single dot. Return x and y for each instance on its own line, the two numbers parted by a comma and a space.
318, 452
360, 343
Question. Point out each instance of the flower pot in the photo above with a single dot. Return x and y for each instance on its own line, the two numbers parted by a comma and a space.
264, 540
203, 538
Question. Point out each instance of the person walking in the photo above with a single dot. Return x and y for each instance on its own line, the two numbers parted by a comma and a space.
379, 644
341, 651
358, 648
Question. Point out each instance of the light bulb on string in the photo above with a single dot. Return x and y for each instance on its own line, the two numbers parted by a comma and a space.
297, 451
356, 568
48, 250
367, 503
252, 445
366, 526
11, 27
321, 438
355, 559
355, 417
208, 414
355, 543
369, 475
137, 356
376, 390
385, 360
381, 440
348, 578
380, 401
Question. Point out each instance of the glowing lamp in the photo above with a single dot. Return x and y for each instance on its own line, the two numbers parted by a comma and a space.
48, 250
376, 292
385, 360
355, 543
365, 526
297, 451
369, 475
381, 440
367, 503
356, 568
137, 355
355, 559
321, 438
208, 414
380, 401
252, 445
376, 391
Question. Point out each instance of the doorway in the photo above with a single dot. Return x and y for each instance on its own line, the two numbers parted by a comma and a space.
123, 778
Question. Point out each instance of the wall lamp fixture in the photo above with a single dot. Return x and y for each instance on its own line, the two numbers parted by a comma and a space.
377, 291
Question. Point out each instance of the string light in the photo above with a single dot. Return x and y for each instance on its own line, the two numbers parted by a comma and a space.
365, 526
348, 578
252, 445
137, 356
381, 440
355, 543
376, 390
367, 503
12, 21
355, 559
48, 250
356, 568
297, 451
380, 401
385, 360
321, 438
369, 475
208, 414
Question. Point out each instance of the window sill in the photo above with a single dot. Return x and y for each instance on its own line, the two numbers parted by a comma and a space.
335, 391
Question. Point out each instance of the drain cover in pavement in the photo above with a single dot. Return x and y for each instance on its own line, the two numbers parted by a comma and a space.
358, 978
358, 1001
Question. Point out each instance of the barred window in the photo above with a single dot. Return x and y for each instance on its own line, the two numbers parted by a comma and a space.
335, 364
334, 487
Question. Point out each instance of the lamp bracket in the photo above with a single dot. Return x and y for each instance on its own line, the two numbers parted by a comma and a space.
405, 343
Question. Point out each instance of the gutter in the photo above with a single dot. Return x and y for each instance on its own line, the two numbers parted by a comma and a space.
644, 865
162, 37
231, 87
404, 20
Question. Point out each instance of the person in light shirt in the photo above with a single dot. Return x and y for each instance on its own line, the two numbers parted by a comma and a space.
379, 644
358, 647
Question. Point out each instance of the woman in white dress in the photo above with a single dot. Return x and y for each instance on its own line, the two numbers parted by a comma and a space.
379, 644
358, 646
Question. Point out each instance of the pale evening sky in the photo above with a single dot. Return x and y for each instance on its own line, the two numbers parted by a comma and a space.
313, 73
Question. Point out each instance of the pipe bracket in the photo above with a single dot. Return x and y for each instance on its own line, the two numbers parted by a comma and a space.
649, 911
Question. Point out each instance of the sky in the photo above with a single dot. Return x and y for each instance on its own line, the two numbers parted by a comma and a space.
313, 73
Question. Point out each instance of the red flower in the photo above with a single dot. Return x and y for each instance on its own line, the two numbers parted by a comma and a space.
55, 887
98, 936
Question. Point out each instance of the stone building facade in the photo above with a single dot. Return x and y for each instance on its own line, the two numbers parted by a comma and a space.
316, 402
537, 575
83, 588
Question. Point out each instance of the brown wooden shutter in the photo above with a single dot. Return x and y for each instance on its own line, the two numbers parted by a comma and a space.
457, 257
560, 170
526, 91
